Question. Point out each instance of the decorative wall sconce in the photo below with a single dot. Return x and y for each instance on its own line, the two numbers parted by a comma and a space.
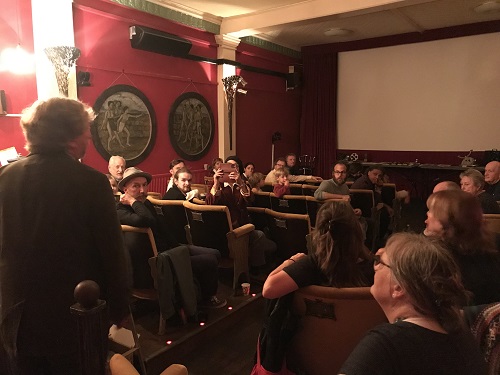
62, 58
83, 79
230, 85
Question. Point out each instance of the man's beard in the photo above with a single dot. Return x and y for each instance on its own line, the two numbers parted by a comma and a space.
339, 182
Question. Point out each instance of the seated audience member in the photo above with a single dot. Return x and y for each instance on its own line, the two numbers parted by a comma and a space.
492, 179
417, 285
339, 258
334, 188
249, 170
291, 164
256, 181
281, 163
472, 182
174, 166
238, 161
446, 185
113, 183
355, 171
116, 167
369, 181
236, 195
135, 210
216, 165
282, 186
456, 218
181, 190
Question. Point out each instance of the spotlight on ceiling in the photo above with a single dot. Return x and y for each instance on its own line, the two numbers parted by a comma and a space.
488, 7
337, 31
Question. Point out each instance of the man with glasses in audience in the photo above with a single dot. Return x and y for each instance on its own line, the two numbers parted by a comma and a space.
334, 188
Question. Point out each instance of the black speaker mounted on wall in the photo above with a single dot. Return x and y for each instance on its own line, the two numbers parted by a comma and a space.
293, 80
147, 39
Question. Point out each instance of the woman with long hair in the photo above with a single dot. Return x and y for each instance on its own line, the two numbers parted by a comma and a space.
418, 286
339, 257
456, 218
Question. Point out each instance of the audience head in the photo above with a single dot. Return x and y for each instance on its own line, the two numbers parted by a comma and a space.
457, 218
471, 181
355, 169
238, 161
291, 160
339, 173
113, 183
281, 175
374, 173
445, 185
57, 125
182, 179
338, 244
492, 172
135, 183
216, 163
175, 165
116, 167
417, 274
279, 163
256, 180
249, 169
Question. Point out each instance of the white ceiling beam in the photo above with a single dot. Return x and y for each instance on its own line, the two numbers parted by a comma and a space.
253, 23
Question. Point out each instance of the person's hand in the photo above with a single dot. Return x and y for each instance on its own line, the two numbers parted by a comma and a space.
390, 211
127, 199
287, 183
317, 178
357, 212
235, 176
217, 175
346, 198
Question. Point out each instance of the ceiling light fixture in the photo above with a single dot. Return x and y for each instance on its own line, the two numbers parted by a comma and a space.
488, 7
337, 31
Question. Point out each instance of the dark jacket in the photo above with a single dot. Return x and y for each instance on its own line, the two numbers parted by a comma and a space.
58, 226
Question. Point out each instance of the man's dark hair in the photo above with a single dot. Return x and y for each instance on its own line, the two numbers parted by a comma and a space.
174, 162
373, 167
182, 170
280, 159
340, 162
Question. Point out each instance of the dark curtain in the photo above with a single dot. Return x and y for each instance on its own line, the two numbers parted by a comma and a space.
318, 128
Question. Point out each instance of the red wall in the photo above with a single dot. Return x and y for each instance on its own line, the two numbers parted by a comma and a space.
20, 90
102, 35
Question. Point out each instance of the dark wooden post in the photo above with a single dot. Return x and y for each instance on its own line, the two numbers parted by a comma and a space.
92, 321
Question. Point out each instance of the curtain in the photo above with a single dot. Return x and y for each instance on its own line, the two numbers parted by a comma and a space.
318, 128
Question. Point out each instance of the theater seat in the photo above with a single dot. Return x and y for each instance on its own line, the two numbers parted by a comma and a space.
331, 323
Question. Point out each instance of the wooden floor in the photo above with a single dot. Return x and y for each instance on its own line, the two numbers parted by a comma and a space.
225, 344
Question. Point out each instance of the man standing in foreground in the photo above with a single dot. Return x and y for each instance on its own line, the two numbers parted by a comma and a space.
58, 227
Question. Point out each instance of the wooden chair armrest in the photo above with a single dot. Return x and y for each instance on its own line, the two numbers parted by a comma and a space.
244, 229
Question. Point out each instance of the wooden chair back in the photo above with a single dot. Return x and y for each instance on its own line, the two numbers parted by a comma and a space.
332, 322
175, 216
492, 222
140, 266
267, 187
292, 204
211, 226
154, 194
258, 217
295, 189
261, 199
309, 190
289, 232
202, 188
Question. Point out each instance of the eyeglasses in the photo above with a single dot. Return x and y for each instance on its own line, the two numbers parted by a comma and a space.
378, 260
340, 172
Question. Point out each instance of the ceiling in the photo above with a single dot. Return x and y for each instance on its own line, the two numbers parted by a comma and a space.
298, 23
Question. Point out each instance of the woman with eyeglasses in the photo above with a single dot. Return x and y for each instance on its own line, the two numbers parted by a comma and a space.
417, 284
456, 218
339, 257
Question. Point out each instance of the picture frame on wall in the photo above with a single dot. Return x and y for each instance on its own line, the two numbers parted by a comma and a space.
125, 124
191, 126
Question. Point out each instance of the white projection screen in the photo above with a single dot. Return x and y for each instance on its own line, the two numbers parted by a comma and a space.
434, 96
